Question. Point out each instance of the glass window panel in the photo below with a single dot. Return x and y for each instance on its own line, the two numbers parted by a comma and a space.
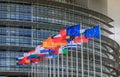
3, 15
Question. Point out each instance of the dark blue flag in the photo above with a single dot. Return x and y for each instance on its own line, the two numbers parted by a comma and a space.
93, 32
73, 30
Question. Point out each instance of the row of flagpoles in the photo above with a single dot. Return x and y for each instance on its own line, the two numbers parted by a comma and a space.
59, 44
62, 43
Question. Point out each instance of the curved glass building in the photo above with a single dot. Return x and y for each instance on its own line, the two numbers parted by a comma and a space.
25, 23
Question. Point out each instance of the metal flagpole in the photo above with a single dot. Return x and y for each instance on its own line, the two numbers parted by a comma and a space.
31, 70
50, 66
71, 62
82, 61
62, 66
94, 65
88, 59
54, 67
58, 58
101, 54
47, 68
71, 55
76, 49
43, 67
35, 70
58, 67
67, 49
77, 60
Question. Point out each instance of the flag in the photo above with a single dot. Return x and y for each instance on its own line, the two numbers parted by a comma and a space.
63, 50
41, 50
93, 32
71, 45
73, 30
46, 51
69, 38
23, 60
35, 60
53, 42
48, 43
50, 56
80, 39
29, 53
59, 41
56, 50
33, 56
63, 33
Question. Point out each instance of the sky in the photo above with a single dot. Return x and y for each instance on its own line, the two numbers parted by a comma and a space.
114, 13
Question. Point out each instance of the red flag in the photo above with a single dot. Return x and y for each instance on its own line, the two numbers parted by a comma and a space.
60, 41
63, 32
24, 60
79, 39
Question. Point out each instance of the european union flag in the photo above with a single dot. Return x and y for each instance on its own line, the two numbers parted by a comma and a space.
73, 30
93, 32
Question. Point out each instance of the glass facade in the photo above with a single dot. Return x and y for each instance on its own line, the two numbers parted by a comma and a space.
24, 26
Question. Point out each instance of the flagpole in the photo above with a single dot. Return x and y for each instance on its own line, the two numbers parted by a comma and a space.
54, 67
32, 70
50, 66
82, 62
88, 59
47, 69
62, 65
71, 63
37, 70
94, 59
77, 59
58, 66
101, 54
67, 49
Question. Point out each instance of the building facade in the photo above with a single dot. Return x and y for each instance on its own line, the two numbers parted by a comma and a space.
25, 23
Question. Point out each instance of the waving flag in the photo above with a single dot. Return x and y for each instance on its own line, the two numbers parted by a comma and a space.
35, 58
49, 56
59, 41
41, 50
80, 39
67, 38
53, 42
71, 45
29, 53
73, 30
63, 33
23, 60
93, 32
63, 50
